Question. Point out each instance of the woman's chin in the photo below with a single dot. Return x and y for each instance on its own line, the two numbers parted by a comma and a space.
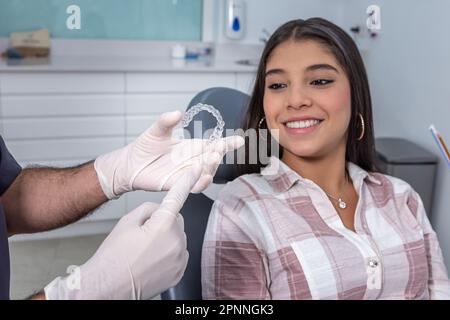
303, 152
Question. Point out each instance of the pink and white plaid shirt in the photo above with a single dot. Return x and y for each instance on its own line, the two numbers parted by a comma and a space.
277, 236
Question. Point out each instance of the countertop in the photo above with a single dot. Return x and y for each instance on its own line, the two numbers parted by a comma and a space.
122, 64
137, 56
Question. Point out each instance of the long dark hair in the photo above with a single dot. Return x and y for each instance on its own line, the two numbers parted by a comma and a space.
347, 55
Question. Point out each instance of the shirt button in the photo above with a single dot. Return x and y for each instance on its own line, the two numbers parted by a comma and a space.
373, 263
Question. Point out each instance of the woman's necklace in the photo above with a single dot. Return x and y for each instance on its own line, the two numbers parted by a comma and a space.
342, 204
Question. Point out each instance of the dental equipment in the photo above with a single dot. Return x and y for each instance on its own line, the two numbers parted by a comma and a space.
192, 112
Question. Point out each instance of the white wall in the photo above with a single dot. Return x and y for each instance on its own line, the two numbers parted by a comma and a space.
271, 14
409, 68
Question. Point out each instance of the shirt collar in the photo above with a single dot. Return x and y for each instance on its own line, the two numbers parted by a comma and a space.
281, 177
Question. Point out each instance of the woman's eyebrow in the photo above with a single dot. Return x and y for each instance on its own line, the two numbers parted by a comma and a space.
274, 71
310, 68
321, 66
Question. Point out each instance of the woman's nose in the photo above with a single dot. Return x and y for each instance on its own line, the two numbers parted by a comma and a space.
298, 98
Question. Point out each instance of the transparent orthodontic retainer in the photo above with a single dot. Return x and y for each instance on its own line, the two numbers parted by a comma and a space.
192, 112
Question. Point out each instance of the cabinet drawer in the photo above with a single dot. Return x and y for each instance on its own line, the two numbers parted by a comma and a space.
156, 103
135, 125
72, 127
143, 110
64, 149
62, 105
67, 82
177, 82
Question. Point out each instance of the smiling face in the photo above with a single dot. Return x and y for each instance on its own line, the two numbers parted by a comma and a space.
307, 97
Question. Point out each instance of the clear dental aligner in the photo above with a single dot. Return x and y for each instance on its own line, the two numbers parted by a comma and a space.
192, 112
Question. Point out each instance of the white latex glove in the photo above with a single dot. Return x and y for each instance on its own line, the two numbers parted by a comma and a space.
155, 160
144, 255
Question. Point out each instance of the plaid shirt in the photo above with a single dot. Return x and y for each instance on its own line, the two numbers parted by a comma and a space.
276, 235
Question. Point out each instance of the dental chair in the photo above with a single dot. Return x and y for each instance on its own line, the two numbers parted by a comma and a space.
232, 104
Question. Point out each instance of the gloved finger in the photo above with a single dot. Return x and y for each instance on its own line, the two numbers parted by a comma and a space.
210, 163
147, 209
187, 149
177, 195
163, 127
233, 143
140, 214
180, 222
227, 144
182, 159
186, 259
193, 149
202, 183
183, 264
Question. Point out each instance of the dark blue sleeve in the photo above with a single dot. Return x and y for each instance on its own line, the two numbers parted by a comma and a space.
9, 168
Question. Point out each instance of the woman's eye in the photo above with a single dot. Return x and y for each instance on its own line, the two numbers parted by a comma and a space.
321, 82
277, 86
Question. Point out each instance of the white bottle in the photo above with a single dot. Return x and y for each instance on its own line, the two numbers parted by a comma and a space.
234, 19
178, 51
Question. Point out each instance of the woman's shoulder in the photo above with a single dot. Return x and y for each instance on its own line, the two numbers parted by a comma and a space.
396, 190
244, 186
384, 187
391, 183
377, 180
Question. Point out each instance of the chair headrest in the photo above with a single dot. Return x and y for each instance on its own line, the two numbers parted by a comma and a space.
232, 105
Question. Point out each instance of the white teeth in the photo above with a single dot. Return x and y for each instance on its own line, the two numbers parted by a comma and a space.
302, 124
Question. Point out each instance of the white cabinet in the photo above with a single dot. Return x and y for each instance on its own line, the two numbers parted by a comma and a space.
57, 83
70, 127
52, 105
144, 108
67, 118
178, 82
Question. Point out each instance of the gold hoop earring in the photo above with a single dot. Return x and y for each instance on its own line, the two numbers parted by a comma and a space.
259, 128
261, 122
363, 127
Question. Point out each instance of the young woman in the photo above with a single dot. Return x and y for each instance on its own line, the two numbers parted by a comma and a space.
325, 225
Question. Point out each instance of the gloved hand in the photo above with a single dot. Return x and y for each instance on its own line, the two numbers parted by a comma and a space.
144, 255
155, 160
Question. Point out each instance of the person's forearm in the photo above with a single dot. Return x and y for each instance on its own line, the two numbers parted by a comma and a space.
42, 199
38, 296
